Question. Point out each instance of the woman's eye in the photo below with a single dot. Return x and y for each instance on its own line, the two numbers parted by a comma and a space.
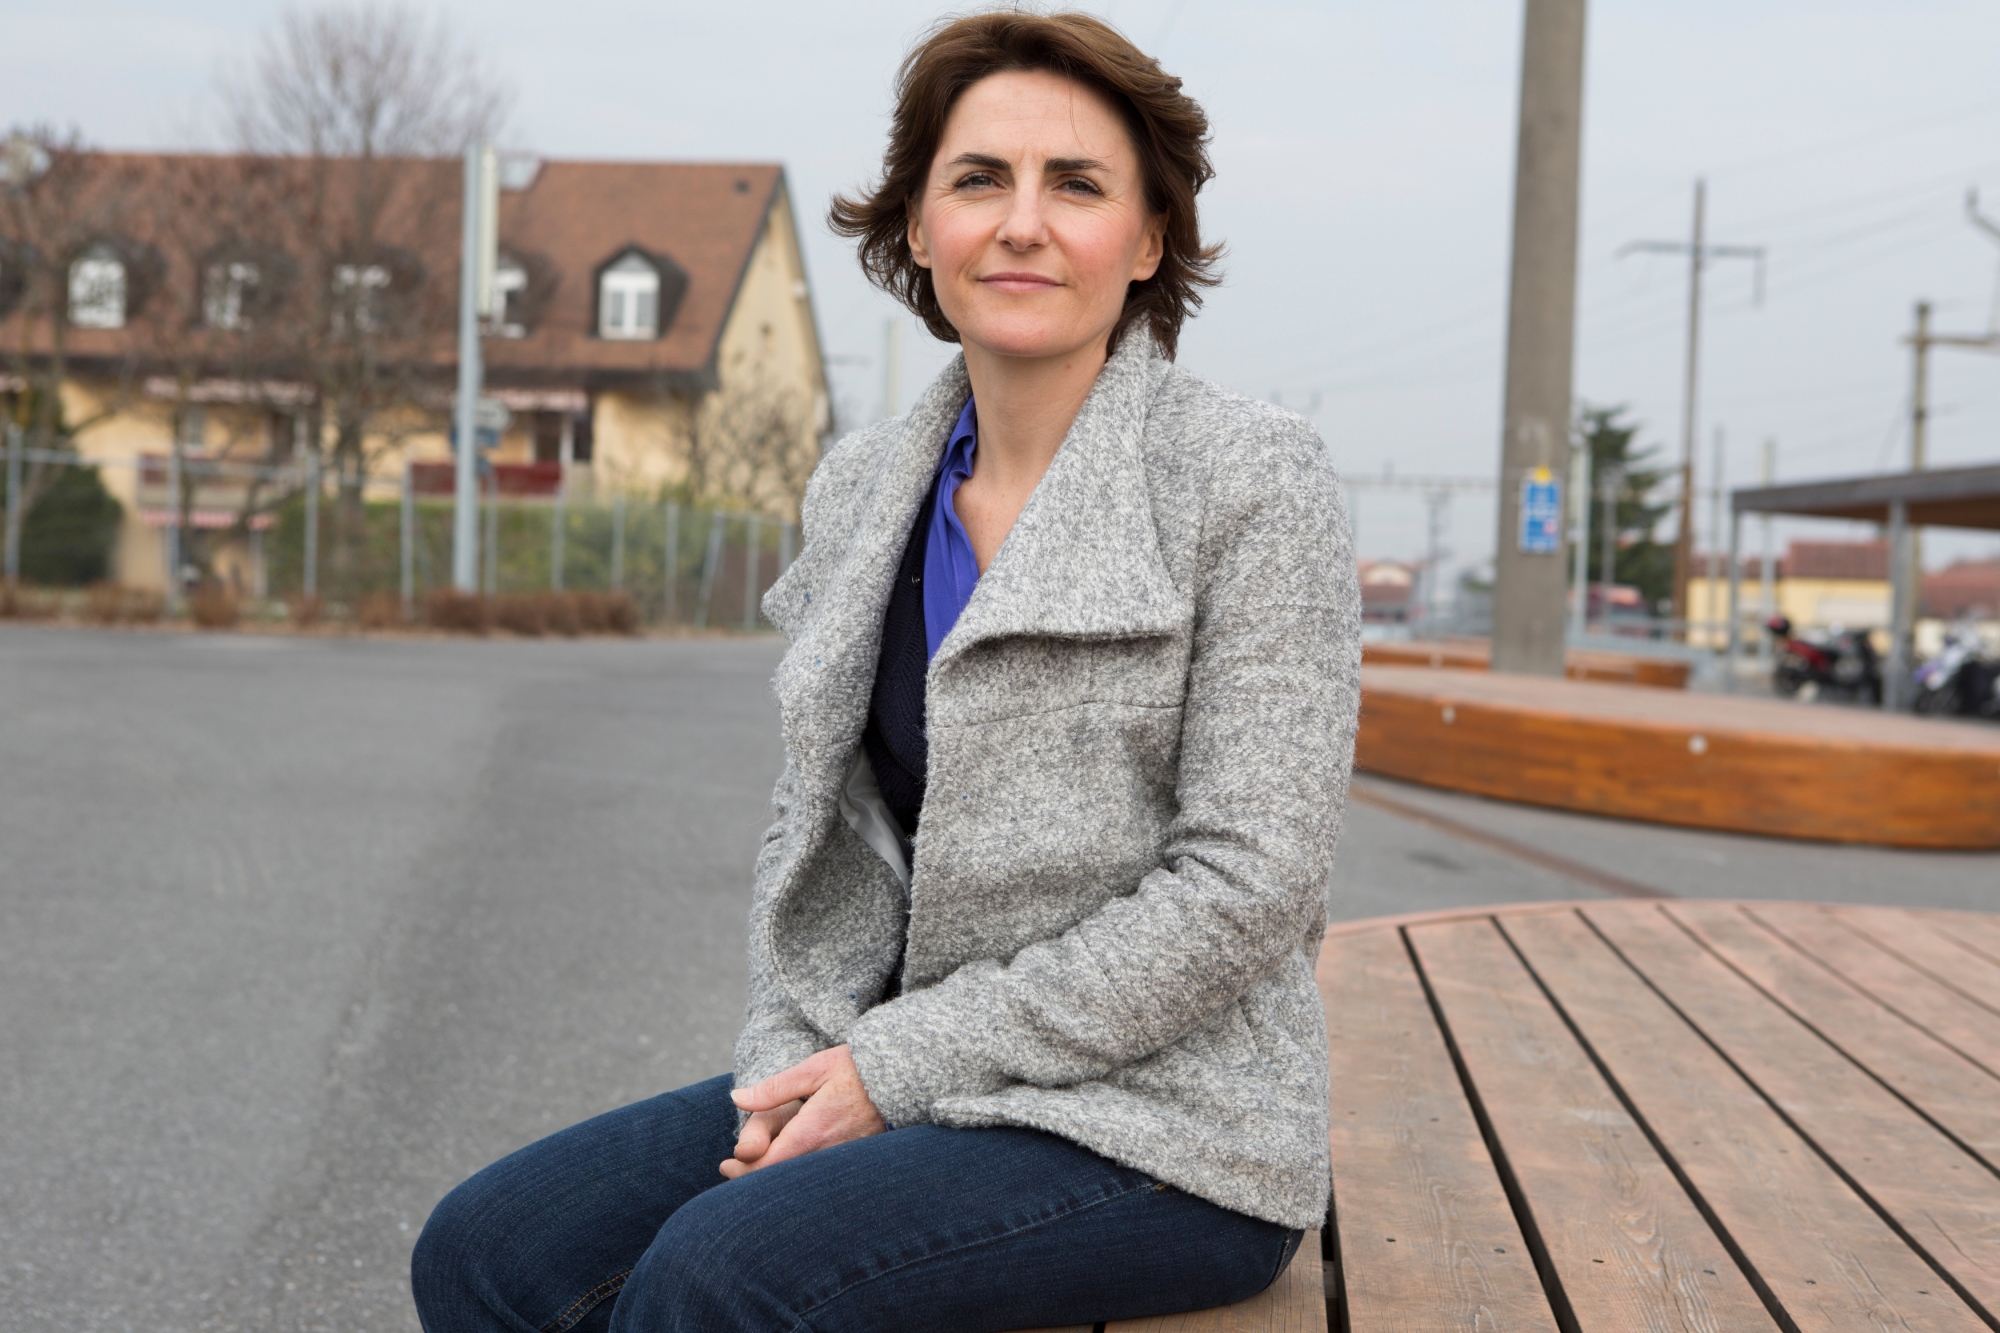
1081, 186
978, 180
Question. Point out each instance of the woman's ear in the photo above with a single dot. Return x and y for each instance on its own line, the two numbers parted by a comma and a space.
1152, 248
920, 250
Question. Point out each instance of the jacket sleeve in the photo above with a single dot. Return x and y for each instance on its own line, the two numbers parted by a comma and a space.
1267, 743
776, 1034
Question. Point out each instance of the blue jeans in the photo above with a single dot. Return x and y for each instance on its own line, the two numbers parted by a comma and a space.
623, 1223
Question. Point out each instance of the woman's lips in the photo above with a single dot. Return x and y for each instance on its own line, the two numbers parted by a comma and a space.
1019, 282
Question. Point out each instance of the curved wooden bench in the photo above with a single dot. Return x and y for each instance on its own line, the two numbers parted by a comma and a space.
1578, 663
1706, 761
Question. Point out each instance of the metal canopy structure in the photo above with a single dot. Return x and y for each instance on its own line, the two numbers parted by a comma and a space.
1960, 497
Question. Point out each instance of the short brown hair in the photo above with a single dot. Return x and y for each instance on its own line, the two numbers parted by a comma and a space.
1168, 129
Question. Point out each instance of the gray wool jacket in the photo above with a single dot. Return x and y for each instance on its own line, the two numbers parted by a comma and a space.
1140, 730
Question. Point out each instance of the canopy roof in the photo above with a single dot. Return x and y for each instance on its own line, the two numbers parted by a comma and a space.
1957, 497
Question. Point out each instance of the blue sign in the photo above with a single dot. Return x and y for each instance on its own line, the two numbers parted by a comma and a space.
1541, 513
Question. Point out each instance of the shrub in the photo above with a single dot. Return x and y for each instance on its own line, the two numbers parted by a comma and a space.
306, 611
459, 612
593, 615
521, 612
22, 603
562, 617
141, 606
621, 613
213, 606
66, 538
379, 610
104, 604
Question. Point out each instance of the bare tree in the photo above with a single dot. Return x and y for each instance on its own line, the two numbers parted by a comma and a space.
58, 204
751, 444
364, 108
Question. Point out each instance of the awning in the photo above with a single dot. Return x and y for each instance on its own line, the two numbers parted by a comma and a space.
1954, 497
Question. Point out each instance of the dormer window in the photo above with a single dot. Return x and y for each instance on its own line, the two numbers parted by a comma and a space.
97, 289
510, 298
358, 290
628, 298
229, 293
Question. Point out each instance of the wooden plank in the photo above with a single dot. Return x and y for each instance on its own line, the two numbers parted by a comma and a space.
1944, 1014
1705, 761
1945, 1200
1295, 1303
1917, 943
1578, 663
1426, 1240
1952, 1090
1822, 1253
1628, 1248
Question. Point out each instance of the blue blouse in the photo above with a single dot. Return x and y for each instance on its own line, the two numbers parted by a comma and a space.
950, 568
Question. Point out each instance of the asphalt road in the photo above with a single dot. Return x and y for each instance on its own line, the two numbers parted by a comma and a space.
296, 933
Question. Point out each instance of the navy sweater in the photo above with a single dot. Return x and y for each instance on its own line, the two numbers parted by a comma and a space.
898, 749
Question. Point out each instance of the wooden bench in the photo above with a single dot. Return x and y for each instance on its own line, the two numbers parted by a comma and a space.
1661, 673
1665, 1116
1746, 765
1606, 1117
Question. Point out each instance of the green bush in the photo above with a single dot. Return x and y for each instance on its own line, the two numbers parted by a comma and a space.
66, 539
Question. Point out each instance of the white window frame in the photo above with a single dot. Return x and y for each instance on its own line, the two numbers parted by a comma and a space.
628, 300
359, 287
97, 289
222, 295
510, 287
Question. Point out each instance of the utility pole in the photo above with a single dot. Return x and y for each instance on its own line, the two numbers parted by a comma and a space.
892, 367
1436, 502
1716, 615
479, 238
1607, 566
1699, 252
1541, 340
1579, 539
1767, 594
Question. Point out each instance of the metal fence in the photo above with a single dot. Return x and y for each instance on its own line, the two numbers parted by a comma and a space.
276, 532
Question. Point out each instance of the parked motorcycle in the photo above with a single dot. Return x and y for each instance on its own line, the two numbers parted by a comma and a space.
1839, 665
1961, 681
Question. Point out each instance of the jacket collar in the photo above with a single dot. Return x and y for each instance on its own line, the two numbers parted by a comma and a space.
1082, 560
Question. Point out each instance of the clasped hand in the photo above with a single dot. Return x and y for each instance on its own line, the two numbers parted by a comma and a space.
815, 1104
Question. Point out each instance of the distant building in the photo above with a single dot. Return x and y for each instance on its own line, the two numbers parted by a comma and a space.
1389, 592
1817, 584
1966, 590
655, 330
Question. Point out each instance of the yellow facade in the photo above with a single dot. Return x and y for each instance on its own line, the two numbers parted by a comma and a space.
768, 350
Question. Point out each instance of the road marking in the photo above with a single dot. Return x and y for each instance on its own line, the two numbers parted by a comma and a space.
1369, 794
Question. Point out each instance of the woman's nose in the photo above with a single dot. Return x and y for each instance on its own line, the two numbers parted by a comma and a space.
1025, 226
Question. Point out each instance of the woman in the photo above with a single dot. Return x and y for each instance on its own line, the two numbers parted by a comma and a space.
1068, 715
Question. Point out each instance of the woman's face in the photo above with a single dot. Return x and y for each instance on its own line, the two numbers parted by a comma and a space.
1033, 219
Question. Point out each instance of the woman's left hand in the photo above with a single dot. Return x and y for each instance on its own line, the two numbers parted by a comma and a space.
836, 1108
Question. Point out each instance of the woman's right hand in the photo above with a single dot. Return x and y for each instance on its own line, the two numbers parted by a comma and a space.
760, 1131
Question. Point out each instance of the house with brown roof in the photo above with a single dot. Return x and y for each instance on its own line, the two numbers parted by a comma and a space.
655, 334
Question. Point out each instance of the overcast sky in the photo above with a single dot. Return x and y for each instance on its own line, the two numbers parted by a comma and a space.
1365, 158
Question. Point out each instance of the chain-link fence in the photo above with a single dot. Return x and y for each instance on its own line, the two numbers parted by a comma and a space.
278, 537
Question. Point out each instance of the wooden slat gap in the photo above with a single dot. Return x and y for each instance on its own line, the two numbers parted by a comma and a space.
1337, 1320
1888, 1218
1848, 925
1963, 943
1510, 1184
1702, 943
1845, 980
1772, 1305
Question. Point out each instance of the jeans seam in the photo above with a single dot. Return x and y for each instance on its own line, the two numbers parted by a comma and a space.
585, 1303
801, 1324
